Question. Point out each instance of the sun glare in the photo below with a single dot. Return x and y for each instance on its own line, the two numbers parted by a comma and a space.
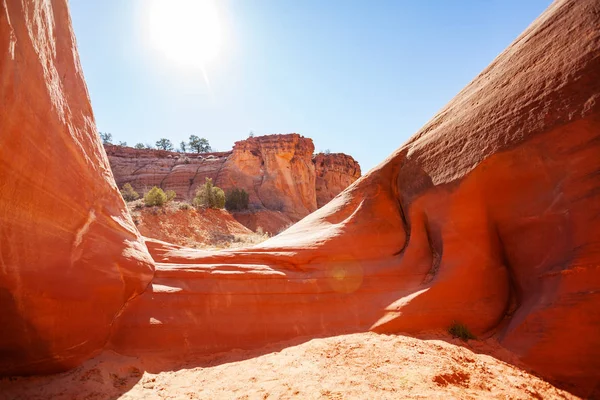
185, 32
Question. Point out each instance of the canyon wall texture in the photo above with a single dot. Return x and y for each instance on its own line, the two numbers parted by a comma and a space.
70, 256
334, 172
279, 172
488, 216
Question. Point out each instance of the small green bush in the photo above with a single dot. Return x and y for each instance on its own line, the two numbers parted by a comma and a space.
184, 206
170, 195
209, 196
460, 331
128, 193
236, 200
155, 197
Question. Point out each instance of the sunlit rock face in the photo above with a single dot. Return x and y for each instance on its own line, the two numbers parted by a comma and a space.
488, 216
70, 257
335, 172
279, 172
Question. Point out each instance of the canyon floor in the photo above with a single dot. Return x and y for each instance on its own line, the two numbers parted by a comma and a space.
355, 366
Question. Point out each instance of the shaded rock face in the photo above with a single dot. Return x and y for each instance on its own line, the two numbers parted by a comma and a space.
335, 172
278, 172
487, 216
70, 256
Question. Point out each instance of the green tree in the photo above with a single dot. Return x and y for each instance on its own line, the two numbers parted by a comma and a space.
183, 146
139, 146
124, 144
236, 200
128, 193
209, 196
106, 137
200, 145
164, 144
155, 197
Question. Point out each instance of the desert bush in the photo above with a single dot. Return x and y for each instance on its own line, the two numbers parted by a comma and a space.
209, 196
184, 206
155, 197
170, 194
236, 200
128, 193
460, 331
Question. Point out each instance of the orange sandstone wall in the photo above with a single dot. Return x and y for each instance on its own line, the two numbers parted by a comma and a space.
279, 172
70, 256
335, 172
487, 216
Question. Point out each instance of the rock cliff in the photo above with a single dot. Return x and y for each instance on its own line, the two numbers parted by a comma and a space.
70, 256
334, 172
488, 216
279, 172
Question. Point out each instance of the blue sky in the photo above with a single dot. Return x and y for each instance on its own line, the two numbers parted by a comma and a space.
358, 77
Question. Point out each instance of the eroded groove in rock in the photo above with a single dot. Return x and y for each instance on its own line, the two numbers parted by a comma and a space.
507, 173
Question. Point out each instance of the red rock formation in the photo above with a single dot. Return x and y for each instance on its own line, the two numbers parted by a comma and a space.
277, 171
70, 256
146, 168
487, 216
335, 172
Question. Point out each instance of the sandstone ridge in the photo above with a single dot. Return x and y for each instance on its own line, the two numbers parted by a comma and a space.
487, 216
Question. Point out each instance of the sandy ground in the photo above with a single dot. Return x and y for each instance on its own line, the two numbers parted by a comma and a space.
357, 366
189, 227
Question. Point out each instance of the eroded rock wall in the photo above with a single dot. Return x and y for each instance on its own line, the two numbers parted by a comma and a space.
279, 172
488, 216
70, 256
335, 172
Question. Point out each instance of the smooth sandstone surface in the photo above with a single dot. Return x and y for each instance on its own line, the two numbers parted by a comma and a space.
488, 216
70, 256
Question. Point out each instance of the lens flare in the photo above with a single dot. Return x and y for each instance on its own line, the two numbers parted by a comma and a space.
187, 33
345, 276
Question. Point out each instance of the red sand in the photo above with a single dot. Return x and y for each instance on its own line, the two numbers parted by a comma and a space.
358, 366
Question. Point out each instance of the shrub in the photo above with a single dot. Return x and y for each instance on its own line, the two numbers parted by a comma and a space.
236, 200
460, 331
209, 196
170, 195
155, 197
184, 206
128, 193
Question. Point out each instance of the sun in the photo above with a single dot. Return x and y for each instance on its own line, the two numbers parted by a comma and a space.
185, 32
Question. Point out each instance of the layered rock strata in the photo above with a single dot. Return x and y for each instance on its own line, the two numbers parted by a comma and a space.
279, 172
488, 216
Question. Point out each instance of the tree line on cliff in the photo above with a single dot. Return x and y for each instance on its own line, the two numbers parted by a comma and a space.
195, 144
